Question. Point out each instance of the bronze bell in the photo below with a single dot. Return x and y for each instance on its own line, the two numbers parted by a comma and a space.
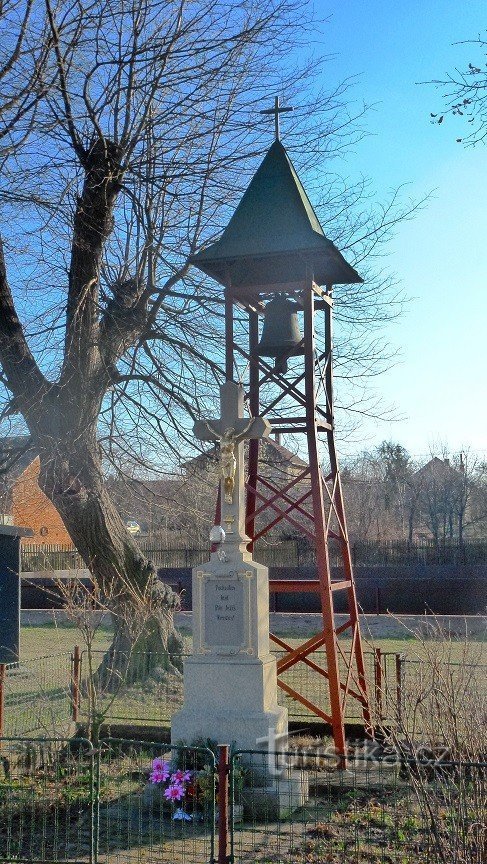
280, 335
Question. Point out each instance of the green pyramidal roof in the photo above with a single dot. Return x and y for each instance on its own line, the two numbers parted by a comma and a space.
274, 234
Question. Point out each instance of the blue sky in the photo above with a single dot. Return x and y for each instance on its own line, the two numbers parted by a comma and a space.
439, 381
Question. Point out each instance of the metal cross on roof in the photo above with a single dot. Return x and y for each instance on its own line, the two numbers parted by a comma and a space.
276, 111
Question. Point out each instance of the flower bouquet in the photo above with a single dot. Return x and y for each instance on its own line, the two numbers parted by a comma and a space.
178, 786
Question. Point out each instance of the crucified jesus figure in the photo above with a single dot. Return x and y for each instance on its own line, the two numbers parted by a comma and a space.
228, 461
231, 429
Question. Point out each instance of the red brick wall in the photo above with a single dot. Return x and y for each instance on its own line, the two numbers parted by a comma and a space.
32, 509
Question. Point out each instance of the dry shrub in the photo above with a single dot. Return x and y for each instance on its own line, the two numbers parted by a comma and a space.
441, 734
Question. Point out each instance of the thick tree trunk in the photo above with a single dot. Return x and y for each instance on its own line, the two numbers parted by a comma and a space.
63, 417
142, 608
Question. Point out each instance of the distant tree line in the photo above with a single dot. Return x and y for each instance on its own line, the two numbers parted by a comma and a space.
390, 496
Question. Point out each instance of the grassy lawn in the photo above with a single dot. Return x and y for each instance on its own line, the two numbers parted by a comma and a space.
37, 694
53, 639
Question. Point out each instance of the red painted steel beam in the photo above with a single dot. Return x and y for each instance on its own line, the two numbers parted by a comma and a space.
300, 656
306, 702
290, 586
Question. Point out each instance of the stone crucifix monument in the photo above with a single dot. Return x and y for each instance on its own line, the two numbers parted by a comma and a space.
230, 682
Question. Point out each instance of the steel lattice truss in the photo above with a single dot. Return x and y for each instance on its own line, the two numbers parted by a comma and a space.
311, 501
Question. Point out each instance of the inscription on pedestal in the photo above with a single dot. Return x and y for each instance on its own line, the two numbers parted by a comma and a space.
224, 619
224, 613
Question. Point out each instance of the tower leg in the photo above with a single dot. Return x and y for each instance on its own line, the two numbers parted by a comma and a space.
321, 540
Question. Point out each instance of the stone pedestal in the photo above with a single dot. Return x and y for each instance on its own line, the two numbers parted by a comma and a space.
276, 800
230, 681
232, 705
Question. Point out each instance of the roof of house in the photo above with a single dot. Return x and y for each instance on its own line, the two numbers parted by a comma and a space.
437, 467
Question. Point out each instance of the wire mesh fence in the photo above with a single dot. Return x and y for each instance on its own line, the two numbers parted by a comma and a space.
136, 801
300, 807
383, 672
163, 822
140, 688
47, 794
37, 696
43, 696
126, 801
154, 698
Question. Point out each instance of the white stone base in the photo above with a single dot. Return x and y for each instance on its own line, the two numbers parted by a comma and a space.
233, 702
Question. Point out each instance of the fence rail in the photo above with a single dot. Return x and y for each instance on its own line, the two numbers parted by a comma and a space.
288, 553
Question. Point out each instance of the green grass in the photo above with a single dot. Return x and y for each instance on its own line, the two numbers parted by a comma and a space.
41, 684
52, 639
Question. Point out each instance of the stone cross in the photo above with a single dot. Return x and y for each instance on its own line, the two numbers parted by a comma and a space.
230, 679
231, 430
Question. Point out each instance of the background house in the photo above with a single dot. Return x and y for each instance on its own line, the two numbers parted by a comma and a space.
22, 502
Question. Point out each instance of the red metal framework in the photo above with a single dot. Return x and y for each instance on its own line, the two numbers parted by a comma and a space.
312, 500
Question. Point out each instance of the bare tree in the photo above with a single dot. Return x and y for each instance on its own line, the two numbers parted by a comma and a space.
381, 496
362, 485
447, 489
126, 131
464, 94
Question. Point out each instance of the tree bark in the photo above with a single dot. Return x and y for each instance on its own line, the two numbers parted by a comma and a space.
62, 418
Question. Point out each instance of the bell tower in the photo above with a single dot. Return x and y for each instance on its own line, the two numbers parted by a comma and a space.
277, 266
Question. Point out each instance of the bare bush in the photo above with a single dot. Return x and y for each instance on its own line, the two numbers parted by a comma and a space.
440, 732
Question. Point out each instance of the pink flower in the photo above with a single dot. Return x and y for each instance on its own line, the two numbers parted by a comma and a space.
174, 793
160, 771
181, 777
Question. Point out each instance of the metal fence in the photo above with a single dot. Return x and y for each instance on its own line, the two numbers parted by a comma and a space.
36, 696
286, 553
64, 801
156, 698
43, 696
424, 552
49, 556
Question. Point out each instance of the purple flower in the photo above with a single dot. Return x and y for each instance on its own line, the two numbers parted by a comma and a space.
181, 777
174, 792
160, 771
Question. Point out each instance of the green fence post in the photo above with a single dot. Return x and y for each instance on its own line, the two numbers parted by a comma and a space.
75, 682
